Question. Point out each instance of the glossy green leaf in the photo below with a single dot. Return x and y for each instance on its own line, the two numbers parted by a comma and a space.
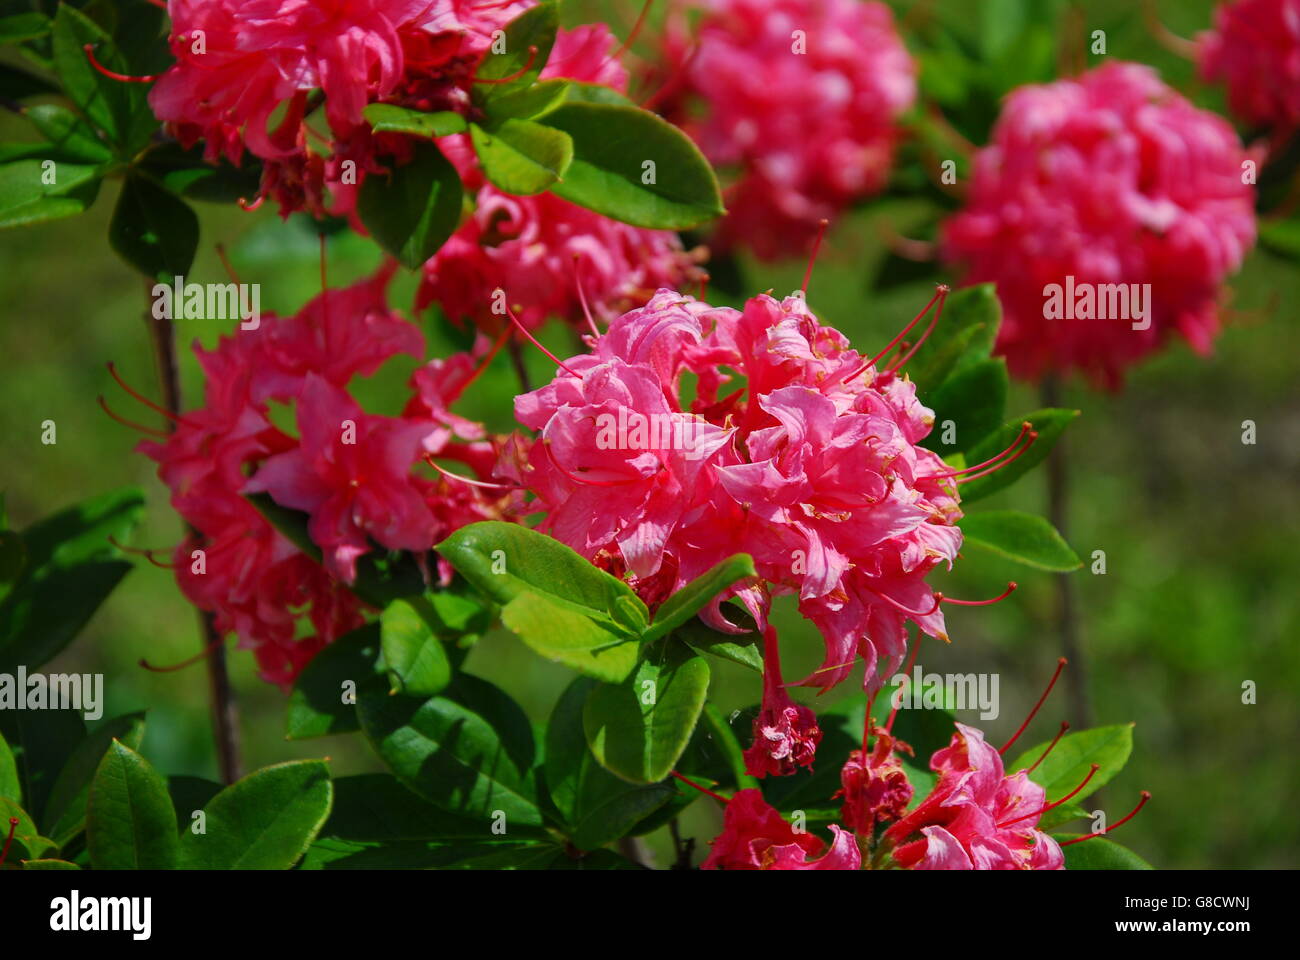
1049, 424
504, 560
130, 824
377, 807
65, 812
531, 102
631, 165
1101, 853
742, 648
974, 400
266, 821
964, 334
390, 118
573, 639
413, 210
524, 50
323, 700
10, 785
41, 742
468, 750
415, 655
67, 132
23, 26
685, 603
47, 864
1070, 760
1022, 537
522, 157
25, 197
638, 729
1058, 815
119, 109
153, 230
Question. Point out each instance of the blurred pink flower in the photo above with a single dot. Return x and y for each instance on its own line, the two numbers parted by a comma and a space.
756, 837
1254, 48
1109, 178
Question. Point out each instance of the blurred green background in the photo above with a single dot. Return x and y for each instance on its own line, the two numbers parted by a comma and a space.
1198, 529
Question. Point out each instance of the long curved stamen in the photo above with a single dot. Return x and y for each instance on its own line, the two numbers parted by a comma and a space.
1060, 665
704, 286
938, 599
139, 551
250, 207
704, 790
473, 483
934, 322
1030, 440
1052, 806
1141, 803
1011, 588
13, 828
1065, 725
203, 654
225, 262
160, 434
536, 343
532, 57
582, 294
812, 257
157, 408
1025, 427
113, 75
940, 291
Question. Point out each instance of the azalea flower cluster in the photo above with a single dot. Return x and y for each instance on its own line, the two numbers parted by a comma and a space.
1254, 49
812, 467
1108, 178
801, 96
350, 471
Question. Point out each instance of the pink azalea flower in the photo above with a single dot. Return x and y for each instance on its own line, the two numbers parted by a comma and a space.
785, 734
976, 817
874, 786
802, 96
1108, 178
1254, 49
756, 837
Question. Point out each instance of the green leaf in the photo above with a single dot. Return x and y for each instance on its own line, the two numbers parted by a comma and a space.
580, 92
266, 821
527, 46
639, 728
412, 211
1100, 854
1070, 760
1058, 815
66, 808
389, 118
531, 102
26, 199
598, 806
1022, 537
130, 824
1281, 237
71, 569
504, 560
154, 231
68, 132
964, 334
119, 109
41, 741
18, 84
631, 165
23, 26
186, 174
522, 157
49, 865
323, 700
417, 660
469, 750
575, 640
10, 786
741, 648
974, 400
1049, 424
377, 808
190, 795
292, 524
685, 603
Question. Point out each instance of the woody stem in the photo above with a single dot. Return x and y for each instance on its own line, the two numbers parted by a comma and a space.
225, 711
1058, 499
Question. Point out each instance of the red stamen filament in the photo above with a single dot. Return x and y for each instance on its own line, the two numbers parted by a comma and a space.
1141, 803
250, 207
150, 431
536, 343
1052, 806
225, 262
934, 322
90, 55
487, 361
147, 554
1031, 438
532, 56
1011, 588
1060, 665
812, 258
582, 294
203, 654
1065, 725
938, 599
1025, 427
112, 369
471, 482
704, 790
704, 287
673, 82
13, 828
940, 291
